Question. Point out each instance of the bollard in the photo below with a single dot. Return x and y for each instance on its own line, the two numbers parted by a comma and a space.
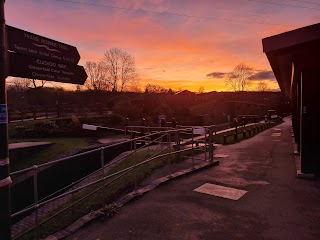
244, 134
235, 136
224, 139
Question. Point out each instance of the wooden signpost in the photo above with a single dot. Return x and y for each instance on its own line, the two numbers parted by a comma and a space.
31, 44
50, 70
28, 55
37, 57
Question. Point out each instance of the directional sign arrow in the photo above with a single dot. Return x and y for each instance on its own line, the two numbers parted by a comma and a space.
43, 69
31, 44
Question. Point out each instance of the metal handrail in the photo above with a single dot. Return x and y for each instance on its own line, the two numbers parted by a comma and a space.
115, 175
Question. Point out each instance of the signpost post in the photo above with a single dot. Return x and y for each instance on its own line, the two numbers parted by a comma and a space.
31, 56
5, 181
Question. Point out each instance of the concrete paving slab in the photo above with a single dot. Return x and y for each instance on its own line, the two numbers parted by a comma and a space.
221, 191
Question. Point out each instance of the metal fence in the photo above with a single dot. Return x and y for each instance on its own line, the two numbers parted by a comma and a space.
159, 147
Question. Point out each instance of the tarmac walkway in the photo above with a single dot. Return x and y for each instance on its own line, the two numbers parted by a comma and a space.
273, 204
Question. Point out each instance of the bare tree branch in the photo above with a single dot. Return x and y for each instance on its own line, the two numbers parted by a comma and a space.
239, 78
262, 86
96, 72
121, 70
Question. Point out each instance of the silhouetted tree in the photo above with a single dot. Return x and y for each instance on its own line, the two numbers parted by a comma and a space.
170, 92
27, 83
153, 88
262, 86
201, 89
120, 69
239, 78
96, 72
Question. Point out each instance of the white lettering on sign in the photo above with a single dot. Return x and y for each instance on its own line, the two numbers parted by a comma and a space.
64, 78
31, 37
44, 53
64, 47
60, 65
39, 68
67, 73
42, 75
32, 51
55, 71
47, 42
19, 48
66, 59
46, 63
55, 56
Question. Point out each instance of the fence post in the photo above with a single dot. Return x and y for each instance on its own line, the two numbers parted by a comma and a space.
72, 201
35, 193
169, 146
224, 139
34, 111
126, 124
148, 140
192, 151
173, 123
103, 178
205, 144
211, 143
143, 124
135, 165
177, 140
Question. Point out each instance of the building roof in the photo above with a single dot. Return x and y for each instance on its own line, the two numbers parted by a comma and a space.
290, 52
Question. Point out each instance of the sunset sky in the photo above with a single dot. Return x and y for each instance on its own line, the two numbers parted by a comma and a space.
178, 44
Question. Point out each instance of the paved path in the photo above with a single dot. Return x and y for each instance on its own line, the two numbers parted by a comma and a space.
277, 205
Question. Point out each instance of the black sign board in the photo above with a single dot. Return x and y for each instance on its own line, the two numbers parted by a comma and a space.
27, 43
43, 69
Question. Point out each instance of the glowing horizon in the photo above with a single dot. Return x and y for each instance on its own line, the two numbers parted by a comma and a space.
177, 52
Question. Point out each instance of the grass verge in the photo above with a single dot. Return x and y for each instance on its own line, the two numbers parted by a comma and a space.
96, 196
60, 146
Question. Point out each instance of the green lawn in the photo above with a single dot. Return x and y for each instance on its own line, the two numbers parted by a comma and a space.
60, 146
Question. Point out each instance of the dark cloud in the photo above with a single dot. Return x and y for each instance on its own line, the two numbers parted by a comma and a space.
263, 75
216, 75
